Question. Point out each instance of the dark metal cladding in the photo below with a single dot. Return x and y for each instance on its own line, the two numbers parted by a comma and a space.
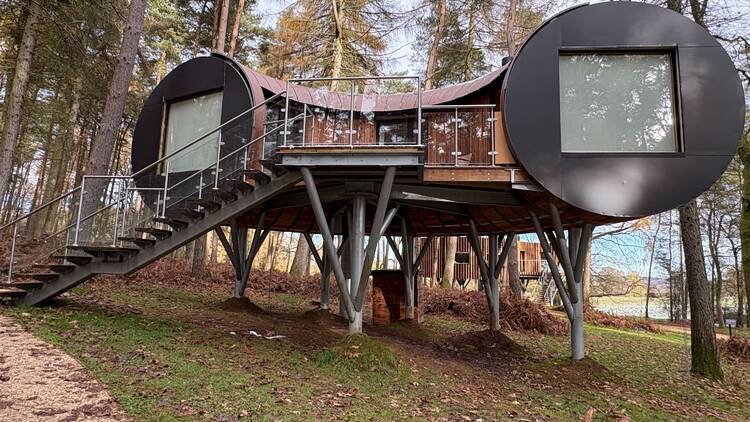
709, 100
196, 77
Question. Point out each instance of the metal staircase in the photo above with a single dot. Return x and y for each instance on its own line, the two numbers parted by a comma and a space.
115, 224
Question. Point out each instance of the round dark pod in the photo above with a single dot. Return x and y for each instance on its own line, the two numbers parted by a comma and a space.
191, 102
623, 109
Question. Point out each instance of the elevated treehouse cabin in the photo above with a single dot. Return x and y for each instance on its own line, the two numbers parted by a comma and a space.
608, 112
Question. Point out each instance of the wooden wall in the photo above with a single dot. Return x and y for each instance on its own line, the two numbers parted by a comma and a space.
529, 260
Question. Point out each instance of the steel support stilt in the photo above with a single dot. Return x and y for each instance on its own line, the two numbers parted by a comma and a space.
330, 248
356, 251
570, 253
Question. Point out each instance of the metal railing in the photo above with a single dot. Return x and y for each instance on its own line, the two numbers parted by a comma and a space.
446, 145
128, 187
330, 103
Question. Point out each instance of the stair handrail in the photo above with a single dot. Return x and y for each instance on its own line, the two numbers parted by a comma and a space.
261, 137
123, 198
150, 166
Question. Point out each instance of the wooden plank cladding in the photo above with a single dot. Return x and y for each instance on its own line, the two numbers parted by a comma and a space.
475, 174
466, 268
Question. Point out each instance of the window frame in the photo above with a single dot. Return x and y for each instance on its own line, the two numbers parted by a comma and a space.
167, 103
672, 52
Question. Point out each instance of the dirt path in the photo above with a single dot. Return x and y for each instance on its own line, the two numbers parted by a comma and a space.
685, 330
41, 383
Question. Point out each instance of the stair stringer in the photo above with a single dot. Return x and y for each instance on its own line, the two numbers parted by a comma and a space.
243, 204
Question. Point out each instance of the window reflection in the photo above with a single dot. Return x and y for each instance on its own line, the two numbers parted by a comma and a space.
187, 120
617, 103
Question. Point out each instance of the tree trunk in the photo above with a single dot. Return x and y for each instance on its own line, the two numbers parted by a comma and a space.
338, 45
745, 220
433, 55
106, 136
301, 258
651, 262
236, 27
436, 245
514, 274
221, 32
705, 355
214, 259
14, 108
199, 256
451, 244
510, 27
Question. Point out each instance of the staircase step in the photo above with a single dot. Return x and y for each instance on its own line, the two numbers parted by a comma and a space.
205, 203
238, 185
139, 241
58, 268
24, 285
184, 213
43, 277
106, 252
171, 222
160, 234
225, 195
257, 175
11, 292
273, 165
76, 259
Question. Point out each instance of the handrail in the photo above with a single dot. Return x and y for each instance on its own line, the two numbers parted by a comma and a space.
232, 153
141, 171
453, 106
39, 208
204, 136
123, 198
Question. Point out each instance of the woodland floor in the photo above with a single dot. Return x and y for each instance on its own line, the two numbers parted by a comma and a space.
170, 352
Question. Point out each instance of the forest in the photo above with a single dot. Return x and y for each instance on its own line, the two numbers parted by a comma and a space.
75, 74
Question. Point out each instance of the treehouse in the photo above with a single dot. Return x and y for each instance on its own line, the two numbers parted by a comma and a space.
608, 112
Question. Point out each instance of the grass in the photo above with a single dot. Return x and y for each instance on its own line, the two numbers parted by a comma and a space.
174, 354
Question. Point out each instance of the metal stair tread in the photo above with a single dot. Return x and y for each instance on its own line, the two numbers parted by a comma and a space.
23, 285
205, 203
225, 195
44, 277
172, 222
185, 212
81, 260
105, 250
158, 233
238, 185
139, 241
11, 291
257, 175
58, 268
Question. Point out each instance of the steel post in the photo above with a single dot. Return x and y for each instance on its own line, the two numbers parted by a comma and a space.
325, 231
117, 216
419, 111
286, 113
218, 162
12, 259
166, 188
494, 284
455, 136
356, 250
80, 210
351, 116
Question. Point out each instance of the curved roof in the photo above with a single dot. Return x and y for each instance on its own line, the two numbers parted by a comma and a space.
373, 102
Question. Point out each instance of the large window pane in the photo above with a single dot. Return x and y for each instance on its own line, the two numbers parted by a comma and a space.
617, 103
187, 120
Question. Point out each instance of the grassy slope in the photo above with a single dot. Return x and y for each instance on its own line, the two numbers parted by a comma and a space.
172, 354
